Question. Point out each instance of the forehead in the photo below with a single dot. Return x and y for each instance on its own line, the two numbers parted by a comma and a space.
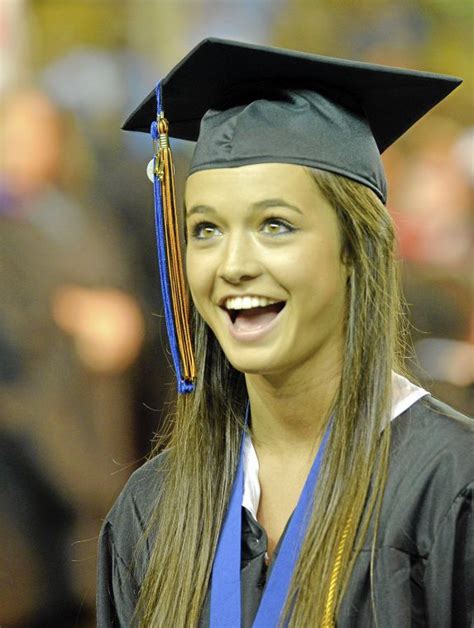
247, 185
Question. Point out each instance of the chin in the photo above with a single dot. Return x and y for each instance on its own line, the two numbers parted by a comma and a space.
263, 358
259, 365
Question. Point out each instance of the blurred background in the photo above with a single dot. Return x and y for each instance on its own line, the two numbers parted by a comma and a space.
84, 374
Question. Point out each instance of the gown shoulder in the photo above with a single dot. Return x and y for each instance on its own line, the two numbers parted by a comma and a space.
431, 462
122, 560
423, 569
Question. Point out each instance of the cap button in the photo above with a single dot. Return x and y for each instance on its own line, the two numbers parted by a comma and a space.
150, 170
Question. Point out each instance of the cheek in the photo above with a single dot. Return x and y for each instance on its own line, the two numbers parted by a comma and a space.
199, 280
192, 276
309, 264
317, 277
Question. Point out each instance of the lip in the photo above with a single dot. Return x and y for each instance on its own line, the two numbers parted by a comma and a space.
254, 335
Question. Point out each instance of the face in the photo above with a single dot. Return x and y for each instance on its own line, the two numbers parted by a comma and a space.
264, 266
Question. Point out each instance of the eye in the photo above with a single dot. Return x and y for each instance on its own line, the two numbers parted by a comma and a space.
204, 231
276, 226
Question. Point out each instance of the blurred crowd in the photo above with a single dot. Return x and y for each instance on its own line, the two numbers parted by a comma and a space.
84, 370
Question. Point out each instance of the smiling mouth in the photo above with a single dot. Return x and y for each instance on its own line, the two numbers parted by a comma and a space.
254, 318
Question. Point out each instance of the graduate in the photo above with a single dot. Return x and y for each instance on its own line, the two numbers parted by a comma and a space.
305, 481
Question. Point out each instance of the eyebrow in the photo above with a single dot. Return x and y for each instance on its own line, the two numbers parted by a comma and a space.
255, 207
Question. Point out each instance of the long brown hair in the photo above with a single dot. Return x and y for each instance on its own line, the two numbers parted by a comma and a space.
203, 435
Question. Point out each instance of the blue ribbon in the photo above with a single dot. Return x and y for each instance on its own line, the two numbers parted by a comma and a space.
225, 606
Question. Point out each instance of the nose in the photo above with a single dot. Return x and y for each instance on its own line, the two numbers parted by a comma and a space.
239, 260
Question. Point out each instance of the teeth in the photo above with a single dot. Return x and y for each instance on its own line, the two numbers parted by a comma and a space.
246, 303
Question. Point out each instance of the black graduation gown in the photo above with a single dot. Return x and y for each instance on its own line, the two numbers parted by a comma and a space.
424, 569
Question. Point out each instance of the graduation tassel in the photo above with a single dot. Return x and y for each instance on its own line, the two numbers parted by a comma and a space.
328, 620
173, 287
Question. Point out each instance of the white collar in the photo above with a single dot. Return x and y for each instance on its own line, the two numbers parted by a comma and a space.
404, 395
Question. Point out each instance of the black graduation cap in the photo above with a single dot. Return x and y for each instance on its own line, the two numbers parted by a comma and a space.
245, 103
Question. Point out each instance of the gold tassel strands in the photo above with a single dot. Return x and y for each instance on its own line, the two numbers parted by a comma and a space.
329, 608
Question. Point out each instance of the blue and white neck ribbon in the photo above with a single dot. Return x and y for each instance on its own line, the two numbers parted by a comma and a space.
225, 611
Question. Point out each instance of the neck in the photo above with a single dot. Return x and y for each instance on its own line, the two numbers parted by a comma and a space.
289, 412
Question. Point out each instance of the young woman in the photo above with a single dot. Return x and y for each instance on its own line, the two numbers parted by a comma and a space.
305, 482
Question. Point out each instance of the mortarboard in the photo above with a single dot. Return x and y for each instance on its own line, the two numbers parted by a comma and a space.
245, 104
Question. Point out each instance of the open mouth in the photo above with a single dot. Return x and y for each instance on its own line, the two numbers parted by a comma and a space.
254, 318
